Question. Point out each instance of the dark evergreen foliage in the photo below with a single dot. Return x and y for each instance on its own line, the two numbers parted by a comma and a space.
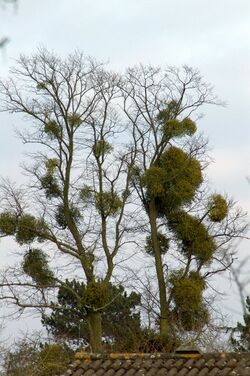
120, 319
241, 342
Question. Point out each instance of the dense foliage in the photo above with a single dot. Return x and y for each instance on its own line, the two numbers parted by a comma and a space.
30, 358
120, 320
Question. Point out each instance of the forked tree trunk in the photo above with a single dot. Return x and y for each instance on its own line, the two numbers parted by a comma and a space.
164, 311
95, 330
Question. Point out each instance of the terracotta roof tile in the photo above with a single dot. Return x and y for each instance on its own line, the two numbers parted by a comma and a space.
160, 365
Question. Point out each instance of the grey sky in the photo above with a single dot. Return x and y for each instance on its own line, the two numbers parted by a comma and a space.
212, 35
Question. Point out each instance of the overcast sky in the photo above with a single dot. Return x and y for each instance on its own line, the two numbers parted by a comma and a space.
211, 35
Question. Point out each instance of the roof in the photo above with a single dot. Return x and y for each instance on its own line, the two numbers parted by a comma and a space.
221, 364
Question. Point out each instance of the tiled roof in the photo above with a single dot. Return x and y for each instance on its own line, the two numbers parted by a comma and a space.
221, 364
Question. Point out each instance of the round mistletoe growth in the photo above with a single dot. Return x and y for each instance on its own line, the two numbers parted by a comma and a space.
26, 229
8, 223
189, 126
173, 128
50, 185
108, 203
52, 129
101, 148
194, 236
35, 265
183, 176
97, 294
218, 208
154, 180
187, 292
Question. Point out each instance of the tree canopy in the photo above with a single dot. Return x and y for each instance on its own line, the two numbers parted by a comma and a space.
115, 165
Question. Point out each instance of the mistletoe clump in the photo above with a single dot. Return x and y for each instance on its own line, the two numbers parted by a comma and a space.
35, 265
193, 235
170, 112
60, 217
183, 177
187, 296
74, 120
97, 294
86, 193
48, 181
52, 129
101, 148
85, 297
173, 127
154, 179
50, 185
178, 128
191, 320
108, 203
26, 229
187, 291
174, 180
8, 223
51, 164
218, 208
189, 126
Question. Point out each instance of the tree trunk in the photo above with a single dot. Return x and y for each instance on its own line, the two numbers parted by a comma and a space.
164, 325
95, 330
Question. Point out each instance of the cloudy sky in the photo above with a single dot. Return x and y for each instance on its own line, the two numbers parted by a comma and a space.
211, 35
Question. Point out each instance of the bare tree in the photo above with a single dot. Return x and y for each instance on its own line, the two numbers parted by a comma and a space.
169, 180
103, 177
74, 205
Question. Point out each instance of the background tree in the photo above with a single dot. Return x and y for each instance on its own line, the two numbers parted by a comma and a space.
121, 322
241, 334
72, 212
30, 357
184, 222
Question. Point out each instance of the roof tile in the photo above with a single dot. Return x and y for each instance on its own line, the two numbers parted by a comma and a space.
215, 371
183, 371
161, 372
173, 371
160, 365
199, 363
151, 372
204, 371
131, 372
78, 372
120, 372
89, 372
110, 372
193, 372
